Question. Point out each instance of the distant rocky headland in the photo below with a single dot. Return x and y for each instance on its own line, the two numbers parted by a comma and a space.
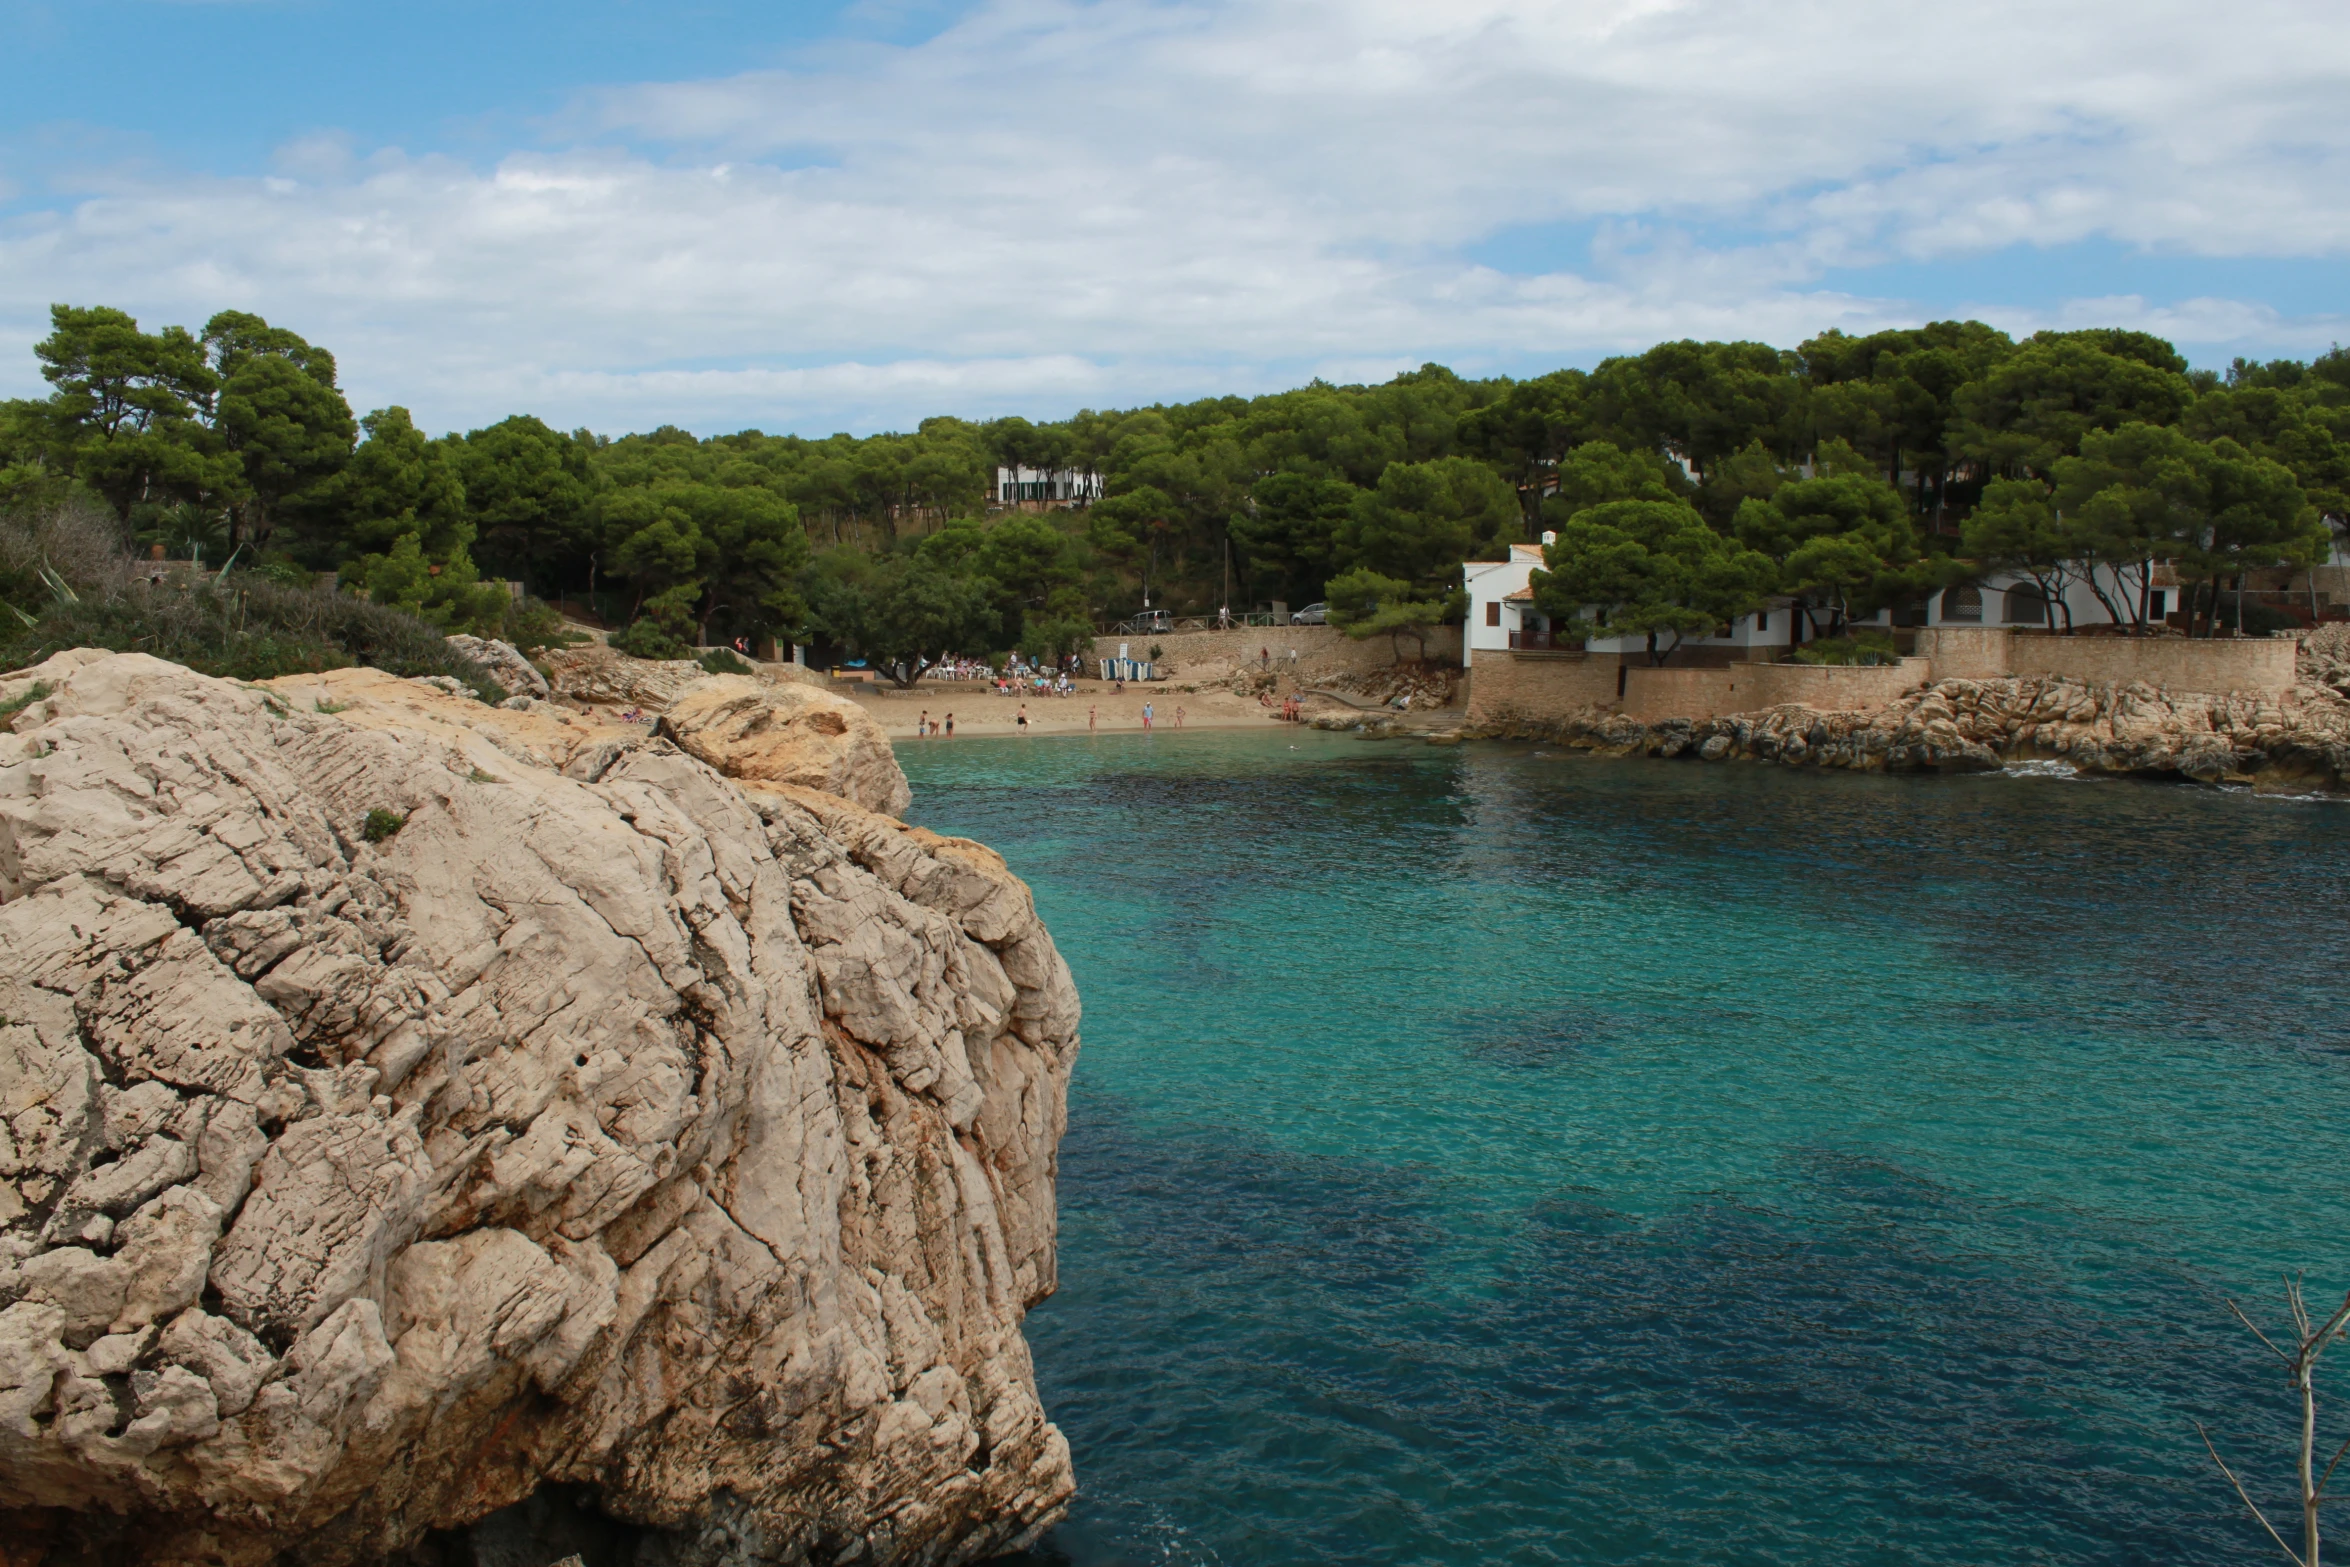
412, 1107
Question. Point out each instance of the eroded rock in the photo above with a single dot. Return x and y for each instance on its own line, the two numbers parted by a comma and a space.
504, 663
767, 733
608, 1124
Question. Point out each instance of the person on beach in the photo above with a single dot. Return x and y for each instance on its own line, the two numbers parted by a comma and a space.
1022, 720
1091, 715
950, 726
1264, 658
1179, 715
922, 725
1146, 715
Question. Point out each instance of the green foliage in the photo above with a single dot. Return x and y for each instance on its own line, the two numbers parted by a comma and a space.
235, 440
900, 612
450, 596
2214, 509
1843, 542
1861, 647
1597, 472
2017, 528
2038, 404
1648, 569
1423, 519
251, 629
1365, 604
381, 824
527, 488
533, 626
665, 629
718, 661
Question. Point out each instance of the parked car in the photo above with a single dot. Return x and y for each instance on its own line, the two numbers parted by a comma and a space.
1149, 620
1311, 615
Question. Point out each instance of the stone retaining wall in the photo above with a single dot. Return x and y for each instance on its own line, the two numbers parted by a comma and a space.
2171, 663
1651, 694
1507, 689
1512, 689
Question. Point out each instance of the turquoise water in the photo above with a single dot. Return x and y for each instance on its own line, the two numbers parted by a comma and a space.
1484, 1156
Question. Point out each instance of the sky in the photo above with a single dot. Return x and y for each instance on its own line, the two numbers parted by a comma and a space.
827, 216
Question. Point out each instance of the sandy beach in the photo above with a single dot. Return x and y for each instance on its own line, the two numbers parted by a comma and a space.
979, 711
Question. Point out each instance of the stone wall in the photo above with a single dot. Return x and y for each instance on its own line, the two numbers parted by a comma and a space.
1507, 688
2172, 663
1512, 689
1967, 652
1652, 694
1321, 650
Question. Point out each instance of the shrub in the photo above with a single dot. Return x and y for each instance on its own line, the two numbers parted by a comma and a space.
1861, 647
533, 626
246, 629
381, 824
718, 661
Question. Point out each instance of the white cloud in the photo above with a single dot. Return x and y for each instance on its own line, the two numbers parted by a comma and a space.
1053, 203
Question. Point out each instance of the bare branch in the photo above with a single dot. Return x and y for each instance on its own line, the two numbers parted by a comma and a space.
2256, 1333
2333, 1328
2327, 1478
2290, 1554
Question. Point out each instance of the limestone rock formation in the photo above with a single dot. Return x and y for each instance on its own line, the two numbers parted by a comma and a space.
414, 1106
2299, 740
595, 673
759, 732
505, 664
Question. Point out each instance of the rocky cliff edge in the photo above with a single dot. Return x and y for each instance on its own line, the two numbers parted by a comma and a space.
407, 1106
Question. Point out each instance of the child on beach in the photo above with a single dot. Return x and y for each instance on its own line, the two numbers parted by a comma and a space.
1022, 720
922, 725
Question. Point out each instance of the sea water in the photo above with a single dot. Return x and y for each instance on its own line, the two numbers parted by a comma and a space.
1492, 1155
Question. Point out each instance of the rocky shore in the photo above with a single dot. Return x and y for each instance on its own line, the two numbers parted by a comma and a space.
2296, 741
413, 1110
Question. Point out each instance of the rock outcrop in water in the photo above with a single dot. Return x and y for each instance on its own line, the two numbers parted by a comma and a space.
410, 1107
2298, 741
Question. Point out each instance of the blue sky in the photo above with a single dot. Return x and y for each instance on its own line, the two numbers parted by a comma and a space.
818, 217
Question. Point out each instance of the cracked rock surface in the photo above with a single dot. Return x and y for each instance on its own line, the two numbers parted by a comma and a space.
609, 1125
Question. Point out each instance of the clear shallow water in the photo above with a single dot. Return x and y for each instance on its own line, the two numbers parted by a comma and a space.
1484, 1156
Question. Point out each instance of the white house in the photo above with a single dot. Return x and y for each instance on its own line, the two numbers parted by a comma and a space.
1502, 617
2006, 598
1046, 486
